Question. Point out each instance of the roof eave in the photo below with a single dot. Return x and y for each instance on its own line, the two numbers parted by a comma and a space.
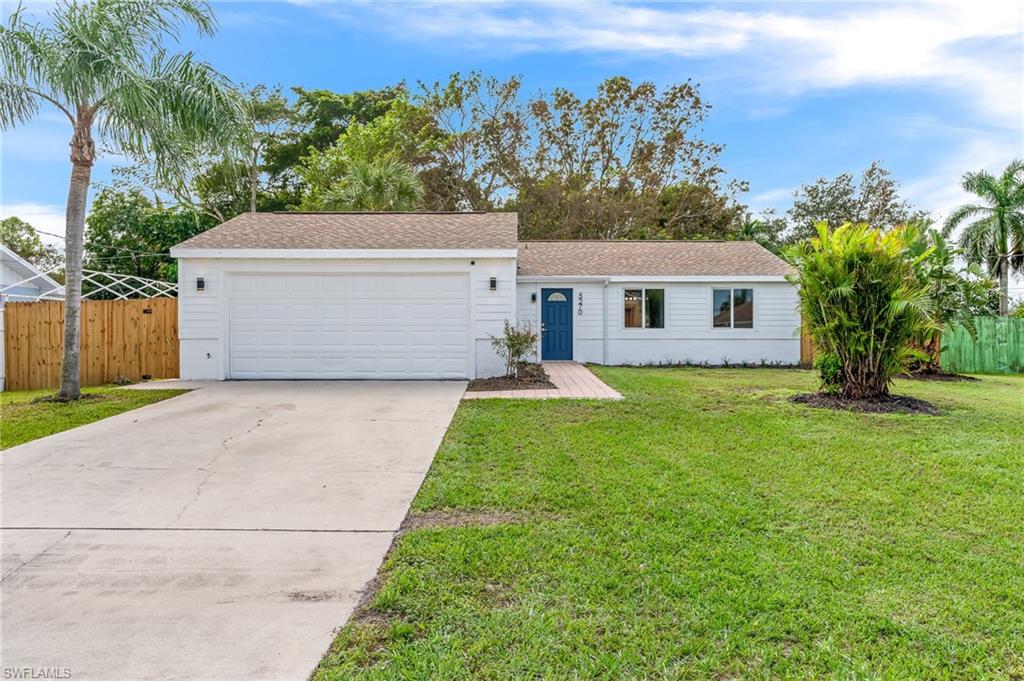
341, 253
668, 278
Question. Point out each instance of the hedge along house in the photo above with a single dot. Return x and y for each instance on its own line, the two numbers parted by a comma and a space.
418, 296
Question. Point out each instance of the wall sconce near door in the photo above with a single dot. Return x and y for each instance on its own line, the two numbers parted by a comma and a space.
494, 283
533, 297
200, 284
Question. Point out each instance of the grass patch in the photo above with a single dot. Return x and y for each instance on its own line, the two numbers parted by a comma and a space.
707, 527
24, 416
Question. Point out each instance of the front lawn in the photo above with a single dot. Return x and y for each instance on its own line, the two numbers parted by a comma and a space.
22, 419
707, 528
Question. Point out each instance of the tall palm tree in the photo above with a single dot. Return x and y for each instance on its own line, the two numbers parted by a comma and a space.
102, 64
375, 186
995, 236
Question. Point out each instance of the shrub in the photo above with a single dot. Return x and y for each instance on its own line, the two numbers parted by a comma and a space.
830, 373
862, 302
515, 345
1018, 309
957, 293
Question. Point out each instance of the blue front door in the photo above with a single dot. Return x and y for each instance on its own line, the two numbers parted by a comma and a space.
555, 323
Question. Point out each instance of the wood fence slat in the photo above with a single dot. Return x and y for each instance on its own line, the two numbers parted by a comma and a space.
806, 349
118, 339
998, 347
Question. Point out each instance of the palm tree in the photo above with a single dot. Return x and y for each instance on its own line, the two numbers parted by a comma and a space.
995, 237
375, 186
103, 66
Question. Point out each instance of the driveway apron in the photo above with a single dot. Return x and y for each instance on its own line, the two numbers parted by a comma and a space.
222, 534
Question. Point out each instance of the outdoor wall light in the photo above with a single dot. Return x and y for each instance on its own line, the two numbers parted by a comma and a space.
533, 297
200, 284
494, 283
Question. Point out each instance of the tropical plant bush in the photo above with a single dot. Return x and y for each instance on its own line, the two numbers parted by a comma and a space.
830, 373
515, 345
863, 302
958, 294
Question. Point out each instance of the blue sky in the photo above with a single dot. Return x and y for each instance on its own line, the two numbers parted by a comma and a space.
799, 90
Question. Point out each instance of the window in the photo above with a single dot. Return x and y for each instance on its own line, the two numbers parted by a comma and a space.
732, 308
644, 308
556, 297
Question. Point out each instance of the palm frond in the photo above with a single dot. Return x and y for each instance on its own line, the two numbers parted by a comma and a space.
176, 106
965, 212
982, 183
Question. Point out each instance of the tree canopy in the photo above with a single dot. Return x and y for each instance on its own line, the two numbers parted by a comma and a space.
22, 238
874, 200
994, 235
127, 233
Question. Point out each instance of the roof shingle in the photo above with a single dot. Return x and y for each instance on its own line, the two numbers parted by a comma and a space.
648, 258
361, 231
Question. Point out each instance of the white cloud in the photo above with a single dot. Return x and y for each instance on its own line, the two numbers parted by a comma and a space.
940, 192
44, 217
771, 198
953, 46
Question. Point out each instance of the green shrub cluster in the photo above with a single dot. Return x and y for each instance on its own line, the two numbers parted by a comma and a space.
863, 303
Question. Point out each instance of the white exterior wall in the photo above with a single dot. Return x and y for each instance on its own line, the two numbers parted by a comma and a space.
203, 315
600, 337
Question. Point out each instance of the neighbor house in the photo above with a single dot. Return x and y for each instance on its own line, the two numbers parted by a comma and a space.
20, 281
419, 295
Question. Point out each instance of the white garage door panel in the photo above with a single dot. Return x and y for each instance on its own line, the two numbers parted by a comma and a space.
348, 326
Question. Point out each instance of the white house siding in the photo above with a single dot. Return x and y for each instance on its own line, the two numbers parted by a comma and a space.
687, 336
491, 309
203, 316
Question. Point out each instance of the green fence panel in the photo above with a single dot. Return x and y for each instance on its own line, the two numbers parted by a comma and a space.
997, 349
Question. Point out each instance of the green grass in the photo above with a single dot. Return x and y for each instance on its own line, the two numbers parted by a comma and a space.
22, 420
707, 528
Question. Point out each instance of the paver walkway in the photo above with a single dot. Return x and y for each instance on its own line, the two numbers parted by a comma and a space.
571, 380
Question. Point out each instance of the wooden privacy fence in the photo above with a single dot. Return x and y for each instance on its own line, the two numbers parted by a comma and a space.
134, 339
806, 349
998, 348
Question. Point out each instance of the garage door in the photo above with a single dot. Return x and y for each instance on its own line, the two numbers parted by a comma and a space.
348, 326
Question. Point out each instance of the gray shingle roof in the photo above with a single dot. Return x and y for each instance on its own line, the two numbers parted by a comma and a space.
361, 230
648, 258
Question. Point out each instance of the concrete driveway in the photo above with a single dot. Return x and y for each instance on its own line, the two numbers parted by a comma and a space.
223, 534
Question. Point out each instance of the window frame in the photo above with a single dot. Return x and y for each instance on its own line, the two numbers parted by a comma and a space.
732, 308
643, 308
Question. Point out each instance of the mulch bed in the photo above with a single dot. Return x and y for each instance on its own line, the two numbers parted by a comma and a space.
938, 376
893, 404
531, 377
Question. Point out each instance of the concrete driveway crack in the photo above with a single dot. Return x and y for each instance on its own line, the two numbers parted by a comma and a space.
224, 446
34, 558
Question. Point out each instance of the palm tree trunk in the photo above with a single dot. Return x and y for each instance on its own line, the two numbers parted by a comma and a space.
83, 153
1004, 287
70, 383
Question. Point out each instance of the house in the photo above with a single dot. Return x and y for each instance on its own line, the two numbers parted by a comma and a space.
418, 295
20, 281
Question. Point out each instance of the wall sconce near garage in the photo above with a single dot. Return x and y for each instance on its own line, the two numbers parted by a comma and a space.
200, 284
494, 283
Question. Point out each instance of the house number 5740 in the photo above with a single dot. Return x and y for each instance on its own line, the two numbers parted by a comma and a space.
579, 304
